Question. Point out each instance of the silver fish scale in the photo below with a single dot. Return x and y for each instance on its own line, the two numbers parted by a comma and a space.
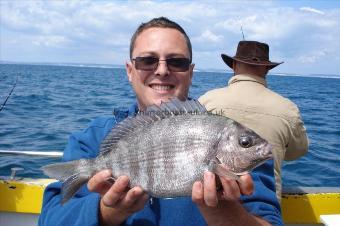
166, 157
166, 148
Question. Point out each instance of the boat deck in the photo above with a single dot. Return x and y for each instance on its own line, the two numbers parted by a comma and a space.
21, 202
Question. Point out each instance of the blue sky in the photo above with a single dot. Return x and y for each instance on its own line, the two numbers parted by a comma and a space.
303, 34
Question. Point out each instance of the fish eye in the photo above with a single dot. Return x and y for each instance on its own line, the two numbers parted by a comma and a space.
245, 141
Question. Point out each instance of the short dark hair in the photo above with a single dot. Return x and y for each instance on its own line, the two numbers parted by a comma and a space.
161, 22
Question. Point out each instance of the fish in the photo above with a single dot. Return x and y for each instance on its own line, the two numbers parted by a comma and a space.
166, 148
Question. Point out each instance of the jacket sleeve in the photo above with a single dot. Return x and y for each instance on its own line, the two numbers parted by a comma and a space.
298, 140
82, 209
263, 202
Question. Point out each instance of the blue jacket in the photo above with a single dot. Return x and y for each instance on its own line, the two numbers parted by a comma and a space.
82, 209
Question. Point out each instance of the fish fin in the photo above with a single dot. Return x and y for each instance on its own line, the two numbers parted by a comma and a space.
223, 172
176, 107
72, 174
71, 185
122, 129
152, 114
61, 171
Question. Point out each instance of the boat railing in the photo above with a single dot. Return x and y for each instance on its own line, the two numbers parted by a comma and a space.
300, 205
48, 154
14, 170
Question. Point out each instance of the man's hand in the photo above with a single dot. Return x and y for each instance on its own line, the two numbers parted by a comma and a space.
224, 207
118, 201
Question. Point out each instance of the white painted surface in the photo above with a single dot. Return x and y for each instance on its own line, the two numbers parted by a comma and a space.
18, 219
330, 220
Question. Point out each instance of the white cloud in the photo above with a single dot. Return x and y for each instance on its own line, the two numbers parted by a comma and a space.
50, 41
105, 27
208, 36
315, 56
309, 9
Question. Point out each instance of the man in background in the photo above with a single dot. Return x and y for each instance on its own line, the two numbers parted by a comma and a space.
248, 101
159, 68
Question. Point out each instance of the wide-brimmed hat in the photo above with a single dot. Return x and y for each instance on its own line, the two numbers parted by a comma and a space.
251, 52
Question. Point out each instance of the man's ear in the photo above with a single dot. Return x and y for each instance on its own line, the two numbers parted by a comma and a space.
129, 69
234, 64
191, 72
235, 67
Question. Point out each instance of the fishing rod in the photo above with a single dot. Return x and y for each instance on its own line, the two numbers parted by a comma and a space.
10, 93
242, 32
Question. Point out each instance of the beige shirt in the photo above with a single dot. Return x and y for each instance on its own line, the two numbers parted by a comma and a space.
248, 101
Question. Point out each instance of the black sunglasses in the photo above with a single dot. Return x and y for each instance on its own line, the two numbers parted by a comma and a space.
151, 63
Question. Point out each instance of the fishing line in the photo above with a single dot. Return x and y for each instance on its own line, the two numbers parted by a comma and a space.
10, 93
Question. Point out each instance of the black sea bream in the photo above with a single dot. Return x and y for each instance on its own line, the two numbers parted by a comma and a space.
166, 149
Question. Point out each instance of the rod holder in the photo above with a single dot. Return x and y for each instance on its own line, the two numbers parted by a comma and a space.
14, 171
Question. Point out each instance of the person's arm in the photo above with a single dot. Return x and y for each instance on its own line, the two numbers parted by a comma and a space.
106, 204
259, 208
117, 201
79, 211
224, 208
83, 208
263, 202
298, 140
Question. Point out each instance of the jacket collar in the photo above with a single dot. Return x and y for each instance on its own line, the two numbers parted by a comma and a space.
247, 77
121, 113
133, 110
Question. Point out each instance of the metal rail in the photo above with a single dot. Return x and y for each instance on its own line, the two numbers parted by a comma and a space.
49, 154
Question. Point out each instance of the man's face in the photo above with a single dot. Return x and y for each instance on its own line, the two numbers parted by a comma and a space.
152, 87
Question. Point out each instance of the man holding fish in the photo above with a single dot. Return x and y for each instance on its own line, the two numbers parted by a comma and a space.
160, 69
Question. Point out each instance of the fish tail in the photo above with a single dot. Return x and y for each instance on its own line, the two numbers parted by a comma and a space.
61, 171
73, 174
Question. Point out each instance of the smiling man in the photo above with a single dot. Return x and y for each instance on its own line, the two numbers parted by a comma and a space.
159, 68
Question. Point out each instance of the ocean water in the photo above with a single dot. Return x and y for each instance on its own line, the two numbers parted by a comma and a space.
50, 102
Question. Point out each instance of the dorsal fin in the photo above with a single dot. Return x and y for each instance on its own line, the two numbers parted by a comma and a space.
177, 107
152, 114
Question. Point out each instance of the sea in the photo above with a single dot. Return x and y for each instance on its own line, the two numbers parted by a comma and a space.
49, 102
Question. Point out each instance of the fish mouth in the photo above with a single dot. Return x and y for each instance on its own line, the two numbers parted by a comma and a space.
162, 88
269, 151
267, 156
255, 164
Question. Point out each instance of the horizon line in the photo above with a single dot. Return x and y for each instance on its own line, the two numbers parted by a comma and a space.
121, 66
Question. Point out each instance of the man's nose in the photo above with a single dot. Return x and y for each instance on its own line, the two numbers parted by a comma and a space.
162, 68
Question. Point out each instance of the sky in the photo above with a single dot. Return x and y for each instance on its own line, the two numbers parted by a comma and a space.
303, 34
